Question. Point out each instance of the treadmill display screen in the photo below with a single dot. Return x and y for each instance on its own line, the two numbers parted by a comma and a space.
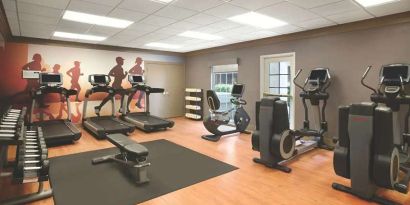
50, 78
137, 79
394, 72
100, 79
318, 74
237, 90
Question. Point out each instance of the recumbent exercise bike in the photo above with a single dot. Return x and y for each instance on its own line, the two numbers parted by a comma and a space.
373, 151
217, 120
273, 138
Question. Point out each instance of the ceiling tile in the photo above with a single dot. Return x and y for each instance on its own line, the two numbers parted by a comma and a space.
350, 16
175, 12
58, 4
308, 4
203, 19
176, 40
73, 27
127, 14
183, 25
287, 29
288, 12
208, 29
226, 11
88, 7
197, 5
37, 30
243, 29
315, 23
152, 37
391, 8
336, 8
143, 6
224, 25
38, 10
105, 2
11, 16
167, 30
38, 19
139, 26
157, 20
13, 22
254, 4
103, 31
9, 5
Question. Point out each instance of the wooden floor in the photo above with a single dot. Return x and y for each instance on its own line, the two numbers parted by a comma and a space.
308, 184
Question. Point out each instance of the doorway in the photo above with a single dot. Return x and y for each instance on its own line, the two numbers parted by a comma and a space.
276, 74
171, 77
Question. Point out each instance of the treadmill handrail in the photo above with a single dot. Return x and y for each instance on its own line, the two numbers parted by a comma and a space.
101, 89
43, 90
131, 91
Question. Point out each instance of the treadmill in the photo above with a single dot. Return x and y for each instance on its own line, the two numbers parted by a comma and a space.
56, 131
142, 120
100, 126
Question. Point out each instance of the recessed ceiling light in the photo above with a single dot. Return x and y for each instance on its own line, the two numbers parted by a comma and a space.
95, 19
257, 20
162, 1
368, 3
199, 35
162, 45
78, 36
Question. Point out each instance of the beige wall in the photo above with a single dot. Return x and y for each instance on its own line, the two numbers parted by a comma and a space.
346, 54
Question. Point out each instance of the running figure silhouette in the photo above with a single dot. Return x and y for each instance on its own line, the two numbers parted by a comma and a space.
75, 74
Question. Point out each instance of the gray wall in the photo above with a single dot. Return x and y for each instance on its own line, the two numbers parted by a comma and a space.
346, 54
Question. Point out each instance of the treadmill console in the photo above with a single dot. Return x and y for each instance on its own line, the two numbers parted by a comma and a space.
136, 79
99, 80
237, 90
51, 79
30, 74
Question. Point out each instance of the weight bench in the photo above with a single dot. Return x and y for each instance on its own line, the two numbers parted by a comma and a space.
133, 157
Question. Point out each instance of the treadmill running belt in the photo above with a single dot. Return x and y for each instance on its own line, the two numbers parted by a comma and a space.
108, 123
54, 129
147, 119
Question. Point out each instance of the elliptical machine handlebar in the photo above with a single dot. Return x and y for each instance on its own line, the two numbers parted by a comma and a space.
364, 77
294, 80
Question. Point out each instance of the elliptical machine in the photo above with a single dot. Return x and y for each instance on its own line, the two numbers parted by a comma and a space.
372, 150
217, 119
273, 138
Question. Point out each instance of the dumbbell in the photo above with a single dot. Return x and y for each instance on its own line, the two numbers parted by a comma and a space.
41, 168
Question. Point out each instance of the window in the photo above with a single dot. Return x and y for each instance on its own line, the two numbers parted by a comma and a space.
223, 78
280, 80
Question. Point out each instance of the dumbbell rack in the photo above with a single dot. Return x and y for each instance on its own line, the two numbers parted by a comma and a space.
31, 164
194, 103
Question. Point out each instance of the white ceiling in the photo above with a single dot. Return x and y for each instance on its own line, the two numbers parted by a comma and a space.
156, 22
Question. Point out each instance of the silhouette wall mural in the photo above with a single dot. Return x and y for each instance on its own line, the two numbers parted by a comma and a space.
75, 64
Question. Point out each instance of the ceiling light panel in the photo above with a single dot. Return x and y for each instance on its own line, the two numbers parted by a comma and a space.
78, 36
199, 35
162, 1
369, 3
257, 20
162, 45
96, 20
